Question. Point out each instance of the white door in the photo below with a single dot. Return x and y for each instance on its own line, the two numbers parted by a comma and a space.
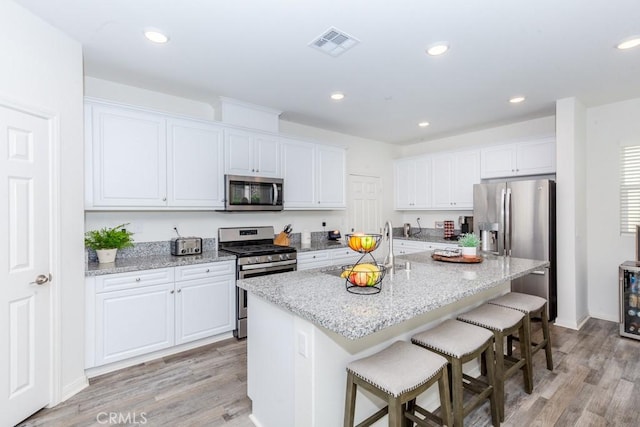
24, 260
364, 204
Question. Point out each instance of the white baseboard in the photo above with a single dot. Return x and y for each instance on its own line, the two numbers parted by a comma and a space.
71, 389
254, 421
104, 369
606, 316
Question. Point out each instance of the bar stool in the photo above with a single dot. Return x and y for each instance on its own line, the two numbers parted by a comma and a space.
398, 374
533, 307
503, 322
460, 343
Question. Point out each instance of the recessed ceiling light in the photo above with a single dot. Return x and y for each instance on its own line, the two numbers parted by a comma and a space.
423, 124
629, 43
438, 49
337, 96
516, 99
156, 36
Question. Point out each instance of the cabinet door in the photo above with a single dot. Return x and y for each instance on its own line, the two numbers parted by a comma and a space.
195, 164
536, 157
442, 170
267, 156
133, 322
128, 150
204, 307
422, 183
404, 174
465, 173
330, 177
238, 152
298, 170
497, 162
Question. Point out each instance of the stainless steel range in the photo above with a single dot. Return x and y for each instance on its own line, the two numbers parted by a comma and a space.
256, 256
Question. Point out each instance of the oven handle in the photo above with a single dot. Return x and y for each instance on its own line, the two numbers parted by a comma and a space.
241, 273
268, 265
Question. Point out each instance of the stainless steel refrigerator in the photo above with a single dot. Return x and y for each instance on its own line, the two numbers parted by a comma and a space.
518, 219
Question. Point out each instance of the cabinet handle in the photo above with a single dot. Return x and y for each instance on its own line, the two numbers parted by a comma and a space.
207, 270
137, 279
172, 291
164, 199
253, 170
179, 290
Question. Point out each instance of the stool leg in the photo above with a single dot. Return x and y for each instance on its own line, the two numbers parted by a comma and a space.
411, 408
499, 374
547, 337
350, 401
396, 412
525, 352
445, 403
457, 391
491, 380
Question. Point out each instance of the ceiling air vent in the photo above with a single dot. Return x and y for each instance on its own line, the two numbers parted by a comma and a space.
334, 42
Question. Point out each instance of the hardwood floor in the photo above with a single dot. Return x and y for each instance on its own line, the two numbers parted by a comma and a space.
596, 382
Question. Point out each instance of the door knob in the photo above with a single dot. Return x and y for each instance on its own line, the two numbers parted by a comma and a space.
41, 279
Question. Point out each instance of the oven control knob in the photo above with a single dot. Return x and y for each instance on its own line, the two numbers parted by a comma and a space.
269, 258
283, 257
256, 260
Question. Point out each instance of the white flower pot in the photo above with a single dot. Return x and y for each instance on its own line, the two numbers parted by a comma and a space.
106, 256
468, 252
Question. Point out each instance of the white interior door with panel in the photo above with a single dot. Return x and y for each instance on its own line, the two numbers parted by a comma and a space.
25, 253
364, 205
195, 164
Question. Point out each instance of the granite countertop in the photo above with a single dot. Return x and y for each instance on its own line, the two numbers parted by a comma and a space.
153, 261
319, 245
320, 296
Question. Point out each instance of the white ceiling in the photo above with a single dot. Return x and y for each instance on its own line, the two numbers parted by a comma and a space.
257, 51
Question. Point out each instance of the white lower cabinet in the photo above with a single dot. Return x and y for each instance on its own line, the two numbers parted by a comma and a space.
403, 247
313, 259
132, 314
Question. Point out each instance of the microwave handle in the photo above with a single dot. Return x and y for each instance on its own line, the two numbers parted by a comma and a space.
275, 193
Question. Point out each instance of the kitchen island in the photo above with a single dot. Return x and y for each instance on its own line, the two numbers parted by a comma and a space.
304, 327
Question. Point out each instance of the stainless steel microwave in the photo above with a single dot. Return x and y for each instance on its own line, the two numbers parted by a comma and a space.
252, 193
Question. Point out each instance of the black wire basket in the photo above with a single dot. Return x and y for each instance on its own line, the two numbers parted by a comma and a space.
364, 243
364, 278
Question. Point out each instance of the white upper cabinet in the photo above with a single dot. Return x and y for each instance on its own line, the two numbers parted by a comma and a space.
519, 159
195, 164
453, 177
126, 157
251, 153
299, 174
145, 160
413, 183
330, 178
314, 175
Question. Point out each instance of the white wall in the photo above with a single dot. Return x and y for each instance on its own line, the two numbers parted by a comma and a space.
607, 127
42, 69
521, 131
365, 157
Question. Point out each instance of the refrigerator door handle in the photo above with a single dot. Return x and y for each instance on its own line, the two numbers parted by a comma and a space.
539, 272
502, 240
507, 223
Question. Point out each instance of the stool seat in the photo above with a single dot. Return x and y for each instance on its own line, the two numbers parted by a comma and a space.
493, 317
399, 368
521, 302
453, 338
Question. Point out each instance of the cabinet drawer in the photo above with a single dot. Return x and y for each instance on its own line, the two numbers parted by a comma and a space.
120, 281
308, 260
200, 271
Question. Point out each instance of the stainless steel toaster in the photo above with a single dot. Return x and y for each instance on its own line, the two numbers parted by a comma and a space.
186, 246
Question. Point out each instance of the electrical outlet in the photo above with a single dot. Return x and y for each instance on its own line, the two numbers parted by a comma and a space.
324, 223
440, 224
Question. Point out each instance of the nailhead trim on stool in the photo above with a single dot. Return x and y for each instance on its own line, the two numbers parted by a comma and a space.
503, 322
459, 343
532, 306
398, 374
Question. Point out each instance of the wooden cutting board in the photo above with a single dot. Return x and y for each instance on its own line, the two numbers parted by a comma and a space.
281, 239
458, 259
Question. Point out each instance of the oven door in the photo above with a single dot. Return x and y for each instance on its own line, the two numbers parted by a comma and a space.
241, 294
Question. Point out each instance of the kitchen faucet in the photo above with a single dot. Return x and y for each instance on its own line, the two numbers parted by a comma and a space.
388, 230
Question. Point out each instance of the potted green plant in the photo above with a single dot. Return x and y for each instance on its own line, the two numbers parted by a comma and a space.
469, 243
107, 241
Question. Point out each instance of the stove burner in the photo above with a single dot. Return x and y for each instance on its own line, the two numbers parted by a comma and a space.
255, 250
